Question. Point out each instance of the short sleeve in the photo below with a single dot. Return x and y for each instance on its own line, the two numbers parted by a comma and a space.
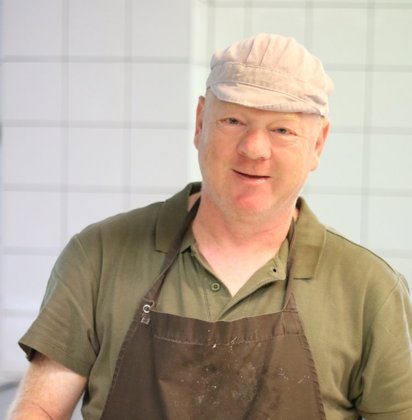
386, 376
64, 329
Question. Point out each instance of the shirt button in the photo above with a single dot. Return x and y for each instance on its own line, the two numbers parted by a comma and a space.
215, 287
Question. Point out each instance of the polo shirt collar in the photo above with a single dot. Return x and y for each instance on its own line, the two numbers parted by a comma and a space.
172, 213
310, 234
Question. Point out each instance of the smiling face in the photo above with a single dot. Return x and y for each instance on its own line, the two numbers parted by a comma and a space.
255, 162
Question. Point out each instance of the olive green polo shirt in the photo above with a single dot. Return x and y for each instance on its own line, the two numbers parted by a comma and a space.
355, 309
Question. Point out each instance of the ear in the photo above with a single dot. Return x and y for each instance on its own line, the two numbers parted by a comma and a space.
320, 143
199, 120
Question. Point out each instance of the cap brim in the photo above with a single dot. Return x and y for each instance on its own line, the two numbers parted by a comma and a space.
257, 97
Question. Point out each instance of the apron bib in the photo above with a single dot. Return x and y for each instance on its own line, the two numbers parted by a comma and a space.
178, 368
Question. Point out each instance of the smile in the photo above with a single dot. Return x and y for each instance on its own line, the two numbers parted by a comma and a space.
251, 176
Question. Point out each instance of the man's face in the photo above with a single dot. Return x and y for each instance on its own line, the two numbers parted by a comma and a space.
255, 161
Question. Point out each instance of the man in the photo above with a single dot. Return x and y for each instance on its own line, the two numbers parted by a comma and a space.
230, 300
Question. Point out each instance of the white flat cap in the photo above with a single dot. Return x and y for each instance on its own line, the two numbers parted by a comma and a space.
270, 72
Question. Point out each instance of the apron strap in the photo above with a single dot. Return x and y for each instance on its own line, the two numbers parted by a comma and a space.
150, 300
289, 264
153, 294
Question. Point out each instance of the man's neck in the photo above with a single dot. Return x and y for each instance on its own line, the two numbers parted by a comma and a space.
235, 248
216, 226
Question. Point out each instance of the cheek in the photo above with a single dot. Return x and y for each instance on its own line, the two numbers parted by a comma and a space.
307, 157
294, 166
207, 156
212, 149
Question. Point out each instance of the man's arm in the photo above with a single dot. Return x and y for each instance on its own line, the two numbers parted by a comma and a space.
48, 391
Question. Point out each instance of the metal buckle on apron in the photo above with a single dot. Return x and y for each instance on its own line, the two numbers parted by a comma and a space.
147, 307
153, 294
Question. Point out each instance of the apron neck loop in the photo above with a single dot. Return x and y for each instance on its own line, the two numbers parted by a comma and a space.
153, 294
289, 264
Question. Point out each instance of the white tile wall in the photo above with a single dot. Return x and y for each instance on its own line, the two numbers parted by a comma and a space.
347, 103
161, 29
200, 27
159, 93
32, 27
228, 2
98, 102
32, 91
154, 164
32, 155
286, 21
386, 38
25, 279
392, 99
31, 219
385, 149
13, 328
341, 151
88, 168
97, 92
276, 2
388, 223
348, 45
96, 28
355, 4
229, 26
399, 2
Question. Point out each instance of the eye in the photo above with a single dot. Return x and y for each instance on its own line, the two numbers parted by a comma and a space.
231, 124
231, 121
283, 131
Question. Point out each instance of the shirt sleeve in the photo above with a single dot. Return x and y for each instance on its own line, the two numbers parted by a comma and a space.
387, 360
64, 329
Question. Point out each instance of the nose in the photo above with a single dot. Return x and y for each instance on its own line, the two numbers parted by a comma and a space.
255, 144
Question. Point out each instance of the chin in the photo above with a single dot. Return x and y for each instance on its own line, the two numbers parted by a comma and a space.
263, 207
253, 206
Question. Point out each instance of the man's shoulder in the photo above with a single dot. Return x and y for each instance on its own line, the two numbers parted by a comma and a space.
152, 223
130, 222
361, 268
355, 264
358, 253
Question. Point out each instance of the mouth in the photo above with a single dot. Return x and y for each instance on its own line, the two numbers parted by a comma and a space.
251, 176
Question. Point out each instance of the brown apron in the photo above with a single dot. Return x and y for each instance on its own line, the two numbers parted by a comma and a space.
172, 367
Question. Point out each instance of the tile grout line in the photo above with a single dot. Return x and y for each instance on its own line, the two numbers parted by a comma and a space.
128, 100
38, 59
64, 129
369, 57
